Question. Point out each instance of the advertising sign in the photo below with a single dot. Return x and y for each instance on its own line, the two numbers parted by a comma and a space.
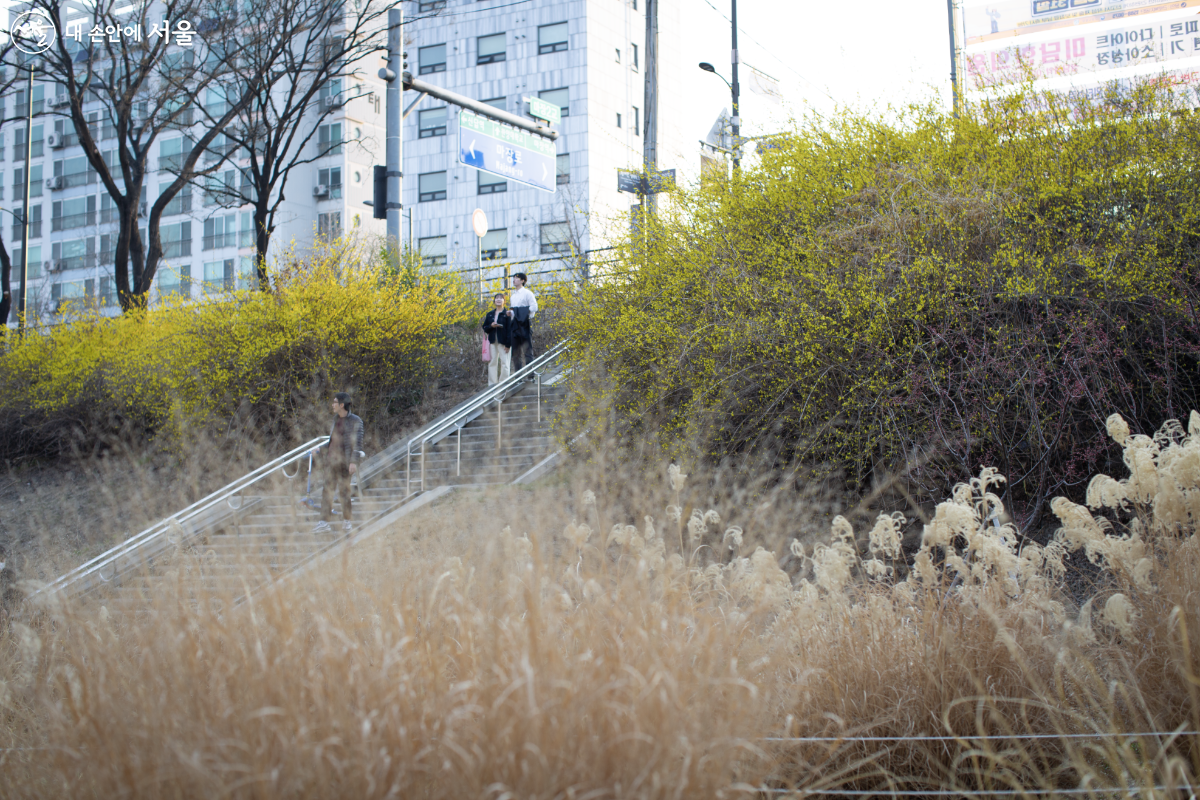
987, 20
506, 151
1128, 42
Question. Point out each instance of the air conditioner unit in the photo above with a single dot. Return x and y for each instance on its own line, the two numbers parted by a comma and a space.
331, 102
54, 140
54, 182
48, 266
59, 101
54, 266
141, 211
320, 190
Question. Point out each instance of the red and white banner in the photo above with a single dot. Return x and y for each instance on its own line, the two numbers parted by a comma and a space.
989, 20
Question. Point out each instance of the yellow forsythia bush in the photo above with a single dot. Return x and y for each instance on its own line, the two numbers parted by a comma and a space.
341, 319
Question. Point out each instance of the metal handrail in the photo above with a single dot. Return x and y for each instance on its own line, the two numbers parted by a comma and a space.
160, 529
458, 416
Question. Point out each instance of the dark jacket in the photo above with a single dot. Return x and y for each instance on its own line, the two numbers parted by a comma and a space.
501, 335
346, 449
520, 323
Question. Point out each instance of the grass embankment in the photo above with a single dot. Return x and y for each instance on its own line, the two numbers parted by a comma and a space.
545, 648
916, 297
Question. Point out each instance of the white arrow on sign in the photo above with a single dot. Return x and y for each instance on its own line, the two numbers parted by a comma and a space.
473, 150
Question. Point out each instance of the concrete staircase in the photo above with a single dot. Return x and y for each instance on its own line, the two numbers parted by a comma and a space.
224, 551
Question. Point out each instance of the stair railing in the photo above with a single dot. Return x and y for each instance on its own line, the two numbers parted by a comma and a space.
189, 522
455, 420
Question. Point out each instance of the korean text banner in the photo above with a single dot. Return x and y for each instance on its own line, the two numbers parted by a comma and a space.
986, 20
1134, 41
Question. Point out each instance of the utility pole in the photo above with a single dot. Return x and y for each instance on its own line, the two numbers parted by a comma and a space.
953, 56
25, 209
650, 103
736, 122
394, 88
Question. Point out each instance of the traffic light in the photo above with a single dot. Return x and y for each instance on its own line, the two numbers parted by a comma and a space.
381, 198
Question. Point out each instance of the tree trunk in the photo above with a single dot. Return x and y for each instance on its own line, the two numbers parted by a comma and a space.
5, 284
262, 239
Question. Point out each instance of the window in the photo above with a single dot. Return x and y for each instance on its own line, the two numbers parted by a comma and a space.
74, 213
171, 153
37, 138
181, 203
433, 251
495, 244
74, 253
63, 295
247, 234
618, 120
431, 5
633, 61
431, 186
562, 169
176, 239
65, 128
247, 279
497, 102
332, 178
108, 291
431, 122
329, 139
560, 98
637, 121
175, 281
215, 103
556, 238
35, 224
221, 189
329, 225
491, 184
39, 101
218, 275
219, 231
432, 59
218, 148
35, 182
108, 248
490, 49
332, 89
74, 171
35, 263
552, 38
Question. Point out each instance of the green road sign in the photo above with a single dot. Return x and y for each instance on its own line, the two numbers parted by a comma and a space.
506, 151
542, 110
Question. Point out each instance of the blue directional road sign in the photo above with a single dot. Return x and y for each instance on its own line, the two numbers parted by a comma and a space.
506, 151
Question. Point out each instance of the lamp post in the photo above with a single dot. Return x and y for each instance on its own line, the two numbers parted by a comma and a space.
736, 121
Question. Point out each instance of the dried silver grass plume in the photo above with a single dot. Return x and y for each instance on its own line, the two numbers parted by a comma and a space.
1118, 428
1119, 613
676, 477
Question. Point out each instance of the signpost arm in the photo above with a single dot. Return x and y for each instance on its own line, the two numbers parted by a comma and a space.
953, 56
737, 120
482, 109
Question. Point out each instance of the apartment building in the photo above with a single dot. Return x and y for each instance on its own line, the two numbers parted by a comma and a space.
208, 245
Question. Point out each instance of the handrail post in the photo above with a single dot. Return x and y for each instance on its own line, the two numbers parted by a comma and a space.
424, 486
408, 469
458, 455
538, 375
499, 421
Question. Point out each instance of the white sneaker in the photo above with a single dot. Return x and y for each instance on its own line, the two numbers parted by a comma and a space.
347, 526
322, 527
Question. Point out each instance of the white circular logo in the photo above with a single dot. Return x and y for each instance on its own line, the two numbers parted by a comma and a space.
33, 32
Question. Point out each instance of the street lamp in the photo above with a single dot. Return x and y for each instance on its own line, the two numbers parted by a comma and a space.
736, 126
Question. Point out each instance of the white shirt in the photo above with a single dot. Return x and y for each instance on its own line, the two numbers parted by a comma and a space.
523, 297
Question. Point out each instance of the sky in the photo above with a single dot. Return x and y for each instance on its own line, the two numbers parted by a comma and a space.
850, 52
